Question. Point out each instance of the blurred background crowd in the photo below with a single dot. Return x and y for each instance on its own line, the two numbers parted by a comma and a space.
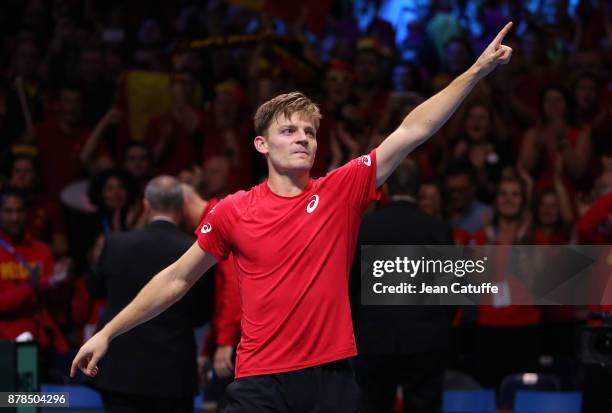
97, 97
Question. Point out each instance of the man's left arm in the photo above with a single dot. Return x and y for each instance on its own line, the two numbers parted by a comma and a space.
429, 116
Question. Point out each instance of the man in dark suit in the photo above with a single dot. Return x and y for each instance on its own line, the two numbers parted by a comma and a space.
400, 345
151, 368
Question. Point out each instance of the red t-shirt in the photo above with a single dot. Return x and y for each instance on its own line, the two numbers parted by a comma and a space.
225, 326
512, 315
59, 155
293, 256
21, 308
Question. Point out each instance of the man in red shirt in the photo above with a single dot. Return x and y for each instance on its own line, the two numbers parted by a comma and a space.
293, 240
59, 141
28, 273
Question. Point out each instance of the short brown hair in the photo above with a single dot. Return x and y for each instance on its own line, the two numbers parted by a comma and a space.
286, 104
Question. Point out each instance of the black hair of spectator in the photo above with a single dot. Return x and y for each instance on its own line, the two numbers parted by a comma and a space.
464, 41
460, 168
586, 75
15, 193
569, 102
138, 144
442, 190
405, 180
27, 157
600, 135
96, 186
415, 75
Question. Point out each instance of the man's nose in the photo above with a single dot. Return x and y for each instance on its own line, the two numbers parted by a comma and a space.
302, 139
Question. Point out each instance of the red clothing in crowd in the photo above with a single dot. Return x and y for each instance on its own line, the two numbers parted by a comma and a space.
509, 316
44, 219
590, 231
590, 225
556, 238
21, 308
293, 256
461, 236
180, 149
59, 155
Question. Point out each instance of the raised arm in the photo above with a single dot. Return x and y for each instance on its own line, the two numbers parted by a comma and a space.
166, 288
430, 115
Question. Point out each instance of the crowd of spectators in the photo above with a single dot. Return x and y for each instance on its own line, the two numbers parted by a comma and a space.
97, 97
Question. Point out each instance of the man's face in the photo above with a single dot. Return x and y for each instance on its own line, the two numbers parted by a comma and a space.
429, 199
137, 161
291, 143
368, 69
226, 109
586, 93
215, 175
477, 123
457, 57
13, 216
70, 106
22, 174
338, 85
460, 191
91, 65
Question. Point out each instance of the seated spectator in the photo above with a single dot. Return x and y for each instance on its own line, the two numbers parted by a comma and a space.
28, 275
507, 339
228, 133
113, 193
115, 196
465, 212
430, 201
555, 137
587, 93
138, 161
60, 140
553, 213
44, 217
216, 177
478, 141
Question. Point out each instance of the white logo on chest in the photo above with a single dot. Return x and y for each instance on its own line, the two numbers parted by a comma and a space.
367, 161
312, 205
206, 228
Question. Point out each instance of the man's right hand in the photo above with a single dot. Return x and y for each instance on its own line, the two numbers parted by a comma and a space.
89, 354
223, 362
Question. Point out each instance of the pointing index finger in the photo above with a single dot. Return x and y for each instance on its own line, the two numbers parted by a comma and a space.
500, 36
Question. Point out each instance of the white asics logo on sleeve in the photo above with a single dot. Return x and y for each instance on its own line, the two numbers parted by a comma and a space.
312, 205
206, 228
367, 161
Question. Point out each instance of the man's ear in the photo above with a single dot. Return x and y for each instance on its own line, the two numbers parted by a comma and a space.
261, 144
146, 207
